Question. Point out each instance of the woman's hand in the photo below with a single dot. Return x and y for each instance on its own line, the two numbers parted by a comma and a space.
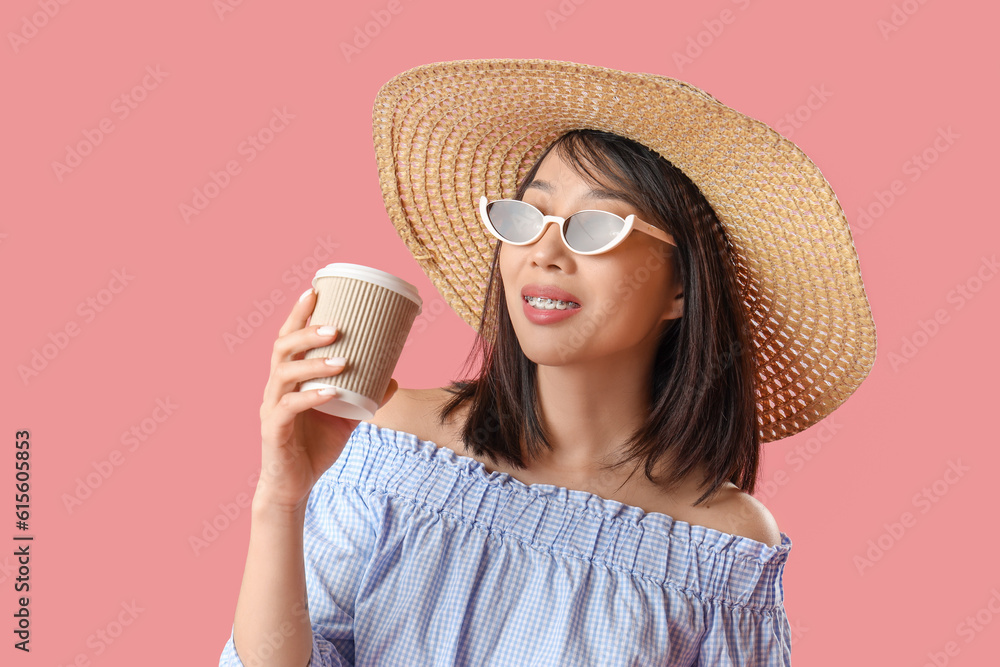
299, 444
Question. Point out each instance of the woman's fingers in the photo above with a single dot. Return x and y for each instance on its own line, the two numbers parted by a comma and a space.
299, 444
301, 311
298, 317
295, 338
291, 404
287, 375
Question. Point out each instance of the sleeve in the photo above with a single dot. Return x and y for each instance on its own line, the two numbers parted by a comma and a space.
339, 536
739, 636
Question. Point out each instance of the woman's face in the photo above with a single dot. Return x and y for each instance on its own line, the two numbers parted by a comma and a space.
624, 295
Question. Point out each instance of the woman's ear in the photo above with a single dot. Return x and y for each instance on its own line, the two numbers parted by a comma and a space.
676, 308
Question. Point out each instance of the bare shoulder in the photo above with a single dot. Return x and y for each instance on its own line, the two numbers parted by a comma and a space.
739, 513
728, 510
416, 411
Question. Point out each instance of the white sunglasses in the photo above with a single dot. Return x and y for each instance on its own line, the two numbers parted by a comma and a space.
585, 232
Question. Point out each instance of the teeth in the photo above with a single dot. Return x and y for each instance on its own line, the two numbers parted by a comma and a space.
549, 304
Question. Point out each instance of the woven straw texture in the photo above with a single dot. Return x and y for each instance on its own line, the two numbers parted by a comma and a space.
447, 133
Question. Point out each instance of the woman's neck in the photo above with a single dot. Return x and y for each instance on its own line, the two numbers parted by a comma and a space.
590, 409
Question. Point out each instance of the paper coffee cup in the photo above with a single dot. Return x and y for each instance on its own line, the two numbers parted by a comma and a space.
373, 312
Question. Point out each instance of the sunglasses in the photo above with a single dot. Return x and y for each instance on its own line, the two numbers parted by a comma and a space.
585, 232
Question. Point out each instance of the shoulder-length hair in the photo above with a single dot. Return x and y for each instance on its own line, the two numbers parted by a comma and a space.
703, 408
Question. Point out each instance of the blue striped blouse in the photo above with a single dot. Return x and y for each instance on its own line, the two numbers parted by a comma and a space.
418, 556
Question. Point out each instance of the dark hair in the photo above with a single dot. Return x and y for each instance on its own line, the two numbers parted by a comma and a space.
703, 402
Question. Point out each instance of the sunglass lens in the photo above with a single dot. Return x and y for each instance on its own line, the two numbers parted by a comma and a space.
514, 220
587, 231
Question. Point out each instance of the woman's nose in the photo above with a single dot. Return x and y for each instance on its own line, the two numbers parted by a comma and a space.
550, 248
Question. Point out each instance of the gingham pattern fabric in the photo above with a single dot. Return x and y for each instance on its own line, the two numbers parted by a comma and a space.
418, 556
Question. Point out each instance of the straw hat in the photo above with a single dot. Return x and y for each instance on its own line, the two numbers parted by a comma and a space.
447, 133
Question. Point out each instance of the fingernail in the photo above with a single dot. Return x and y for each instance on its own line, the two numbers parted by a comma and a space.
306, 294
335, 361
326, 331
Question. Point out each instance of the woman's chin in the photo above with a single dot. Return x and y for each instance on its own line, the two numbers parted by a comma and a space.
554, 353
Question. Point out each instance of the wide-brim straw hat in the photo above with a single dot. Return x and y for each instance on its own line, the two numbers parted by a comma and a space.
447, 133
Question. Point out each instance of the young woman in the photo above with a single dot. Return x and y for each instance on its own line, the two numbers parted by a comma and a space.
584, 498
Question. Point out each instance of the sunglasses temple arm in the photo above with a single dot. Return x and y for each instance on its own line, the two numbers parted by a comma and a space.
655, 232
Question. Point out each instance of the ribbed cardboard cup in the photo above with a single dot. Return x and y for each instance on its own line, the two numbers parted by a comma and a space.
373, 312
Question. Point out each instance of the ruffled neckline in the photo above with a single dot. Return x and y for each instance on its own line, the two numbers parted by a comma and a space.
584, 501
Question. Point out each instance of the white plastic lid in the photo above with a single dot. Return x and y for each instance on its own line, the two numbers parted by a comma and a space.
347, 404
368, 274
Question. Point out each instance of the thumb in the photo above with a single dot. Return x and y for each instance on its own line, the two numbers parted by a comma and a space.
389, 391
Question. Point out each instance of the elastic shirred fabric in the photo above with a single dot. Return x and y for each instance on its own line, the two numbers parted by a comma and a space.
706, 563
416, 555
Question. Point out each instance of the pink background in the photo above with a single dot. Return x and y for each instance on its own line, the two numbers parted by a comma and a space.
879, 97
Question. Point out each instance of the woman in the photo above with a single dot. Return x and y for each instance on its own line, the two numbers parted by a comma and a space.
584, 499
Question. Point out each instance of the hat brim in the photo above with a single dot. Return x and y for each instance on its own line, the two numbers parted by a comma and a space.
447, 133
